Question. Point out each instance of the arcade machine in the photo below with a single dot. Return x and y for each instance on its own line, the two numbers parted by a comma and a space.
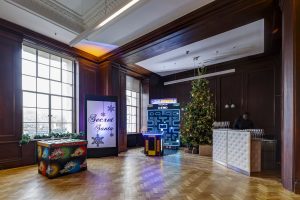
154, 143
163, 126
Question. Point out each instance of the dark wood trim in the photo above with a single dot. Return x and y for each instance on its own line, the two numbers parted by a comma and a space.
45, 41
189, 28
10, 99
180, 32
289, 93
132, 70
255, 59
290, 79
240, 88
105, 75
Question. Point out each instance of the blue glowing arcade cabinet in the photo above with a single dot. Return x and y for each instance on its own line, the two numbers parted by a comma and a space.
163, 126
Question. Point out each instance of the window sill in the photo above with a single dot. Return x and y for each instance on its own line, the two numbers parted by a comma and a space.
41, 139
133, 133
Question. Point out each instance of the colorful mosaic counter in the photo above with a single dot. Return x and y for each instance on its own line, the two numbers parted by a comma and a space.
61, 157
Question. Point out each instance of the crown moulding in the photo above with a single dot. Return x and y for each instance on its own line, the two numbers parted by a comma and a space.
54, 11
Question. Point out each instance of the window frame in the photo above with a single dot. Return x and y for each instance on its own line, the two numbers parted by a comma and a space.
137, 111
71, 121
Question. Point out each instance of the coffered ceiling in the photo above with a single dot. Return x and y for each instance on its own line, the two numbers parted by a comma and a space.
75, 22
73, 15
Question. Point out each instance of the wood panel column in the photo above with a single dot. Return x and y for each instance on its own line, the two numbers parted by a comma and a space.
113, 83
89, 84
291, 95
10, 100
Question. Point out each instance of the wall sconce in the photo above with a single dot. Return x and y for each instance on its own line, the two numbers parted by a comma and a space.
229, 105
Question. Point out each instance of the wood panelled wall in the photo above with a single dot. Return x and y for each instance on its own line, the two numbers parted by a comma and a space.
255, 87
291, 95
89, 84
113, 80
106, 79
214, 18
10, 99
94, 79
11, 154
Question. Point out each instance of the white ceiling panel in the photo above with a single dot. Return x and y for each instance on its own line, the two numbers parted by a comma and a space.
234, 44
66, 20
147, 16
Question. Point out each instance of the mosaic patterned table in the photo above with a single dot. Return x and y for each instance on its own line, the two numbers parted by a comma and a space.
61, 157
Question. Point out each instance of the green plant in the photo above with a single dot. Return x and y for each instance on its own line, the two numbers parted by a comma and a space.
79, 135
25, 139
58, 135
41, 136
198, 115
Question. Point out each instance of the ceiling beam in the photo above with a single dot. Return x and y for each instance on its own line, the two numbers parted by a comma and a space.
114, 14
212, 19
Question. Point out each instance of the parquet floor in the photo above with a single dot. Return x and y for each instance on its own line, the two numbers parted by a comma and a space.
135, 176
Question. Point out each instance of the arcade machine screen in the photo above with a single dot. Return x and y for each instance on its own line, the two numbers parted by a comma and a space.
164, 116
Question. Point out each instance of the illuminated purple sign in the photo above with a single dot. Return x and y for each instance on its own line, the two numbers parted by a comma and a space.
163, 101
101, 124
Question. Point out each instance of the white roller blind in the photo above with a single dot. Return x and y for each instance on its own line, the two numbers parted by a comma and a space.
132, 84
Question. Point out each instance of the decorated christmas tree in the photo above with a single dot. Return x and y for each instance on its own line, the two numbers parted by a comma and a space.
198, 116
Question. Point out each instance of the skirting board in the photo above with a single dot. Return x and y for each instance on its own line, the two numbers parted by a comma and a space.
239, 170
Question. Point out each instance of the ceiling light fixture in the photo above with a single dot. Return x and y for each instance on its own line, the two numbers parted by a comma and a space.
86, 33
229, 71
127, 6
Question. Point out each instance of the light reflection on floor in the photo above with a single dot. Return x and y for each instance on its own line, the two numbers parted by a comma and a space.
132, 175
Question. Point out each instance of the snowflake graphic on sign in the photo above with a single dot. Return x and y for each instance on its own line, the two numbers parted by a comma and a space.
97, 140
111, 108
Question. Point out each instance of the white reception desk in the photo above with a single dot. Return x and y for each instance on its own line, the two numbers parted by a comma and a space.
236, 150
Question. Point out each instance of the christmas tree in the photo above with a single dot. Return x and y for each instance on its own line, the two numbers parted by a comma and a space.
198, 116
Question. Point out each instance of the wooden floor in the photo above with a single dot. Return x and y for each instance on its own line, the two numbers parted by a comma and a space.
135, 176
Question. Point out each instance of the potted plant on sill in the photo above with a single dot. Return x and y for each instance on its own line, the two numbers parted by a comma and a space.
28, 144
57, 135
25, 139
198, 117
